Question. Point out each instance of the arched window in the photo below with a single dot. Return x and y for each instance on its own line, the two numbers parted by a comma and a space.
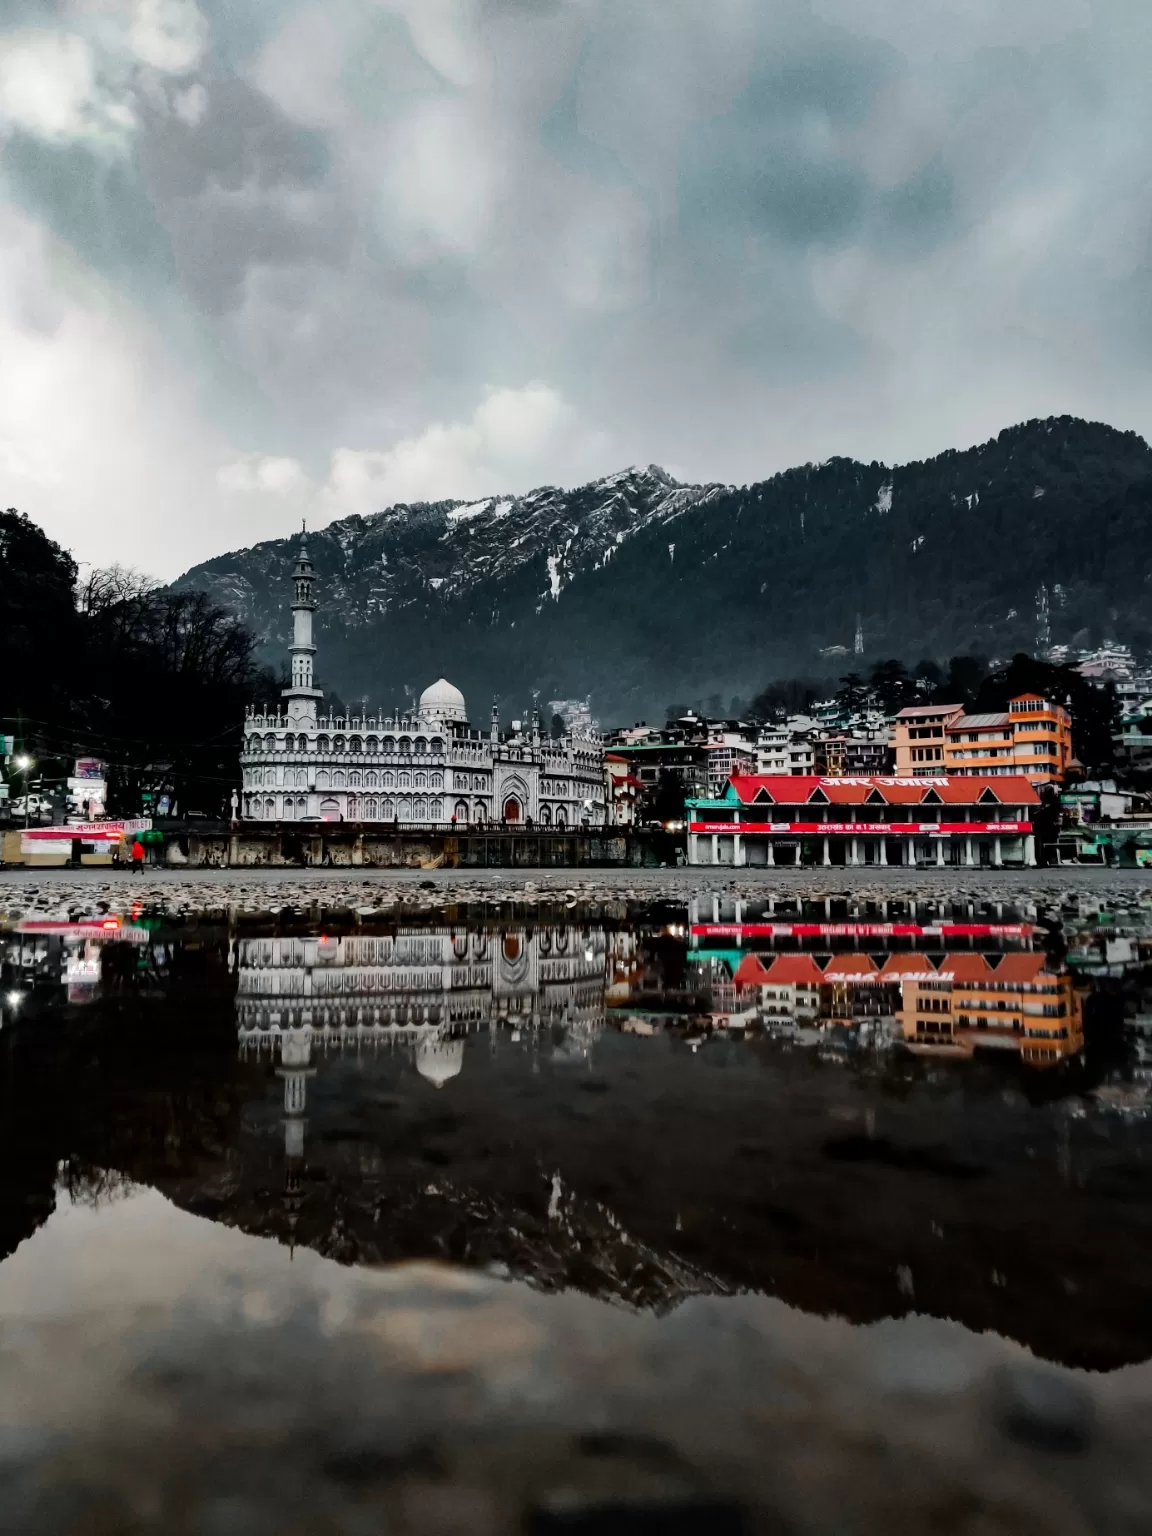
355, 745
512, 809
354, 808
480, 814
338, 779
338, 744
438, 746
561, 818
373, 745
322, 779
406, 746
370, 809
269, 808
355, 778
289, 807
389, 810
389, 743
421, 746
437, 781
546, 815
461, 811
329, 810
405, 810
421, 781
323, 744
269, 743
435, 810
371, 779
405, 781
389, 779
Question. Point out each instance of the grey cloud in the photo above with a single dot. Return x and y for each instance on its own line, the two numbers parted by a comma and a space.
729, 236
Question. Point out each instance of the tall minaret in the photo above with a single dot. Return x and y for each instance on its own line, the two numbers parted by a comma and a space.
494, 731
302, 696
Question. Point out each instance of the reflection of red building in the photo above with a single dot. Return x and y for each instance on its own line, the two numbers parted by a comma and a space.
960, 1004
1015, 1004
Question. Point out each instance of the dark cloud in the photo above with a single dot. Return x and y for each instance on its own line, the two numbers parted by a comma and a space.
724, 237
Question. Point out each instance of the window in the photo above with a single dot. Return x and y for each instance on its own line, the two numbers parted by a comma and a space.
373, 745
338, 744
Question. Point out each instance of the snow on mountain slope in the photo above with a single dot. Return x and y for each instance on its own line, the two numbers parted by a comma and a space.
444, 553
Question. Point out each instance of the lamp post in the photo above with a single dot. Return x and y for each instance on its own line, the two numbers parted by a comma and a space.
25, 765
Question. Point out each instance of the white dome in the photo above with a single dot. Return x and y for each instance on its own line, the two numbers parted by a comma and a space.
439, 1060
443, 702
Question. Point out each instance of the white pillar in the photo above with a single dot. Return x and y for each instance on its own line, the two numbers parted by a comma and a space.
910, 852
771, 852
827, 853
715, 907
882, 851
997, 853
738, 853
716, 850
968, 859
939, 850
1030, 851
855, 850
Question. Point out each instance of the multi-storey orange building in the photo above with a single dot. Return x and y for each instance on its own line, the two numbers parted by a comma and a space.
1033, 738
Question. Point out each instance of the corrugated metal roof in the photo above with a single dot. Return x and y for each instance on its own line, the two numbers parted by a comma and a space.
915, 711
978, 722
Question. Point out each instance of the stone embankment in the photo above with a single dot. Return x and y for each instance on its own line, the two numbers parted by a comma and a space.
24, 892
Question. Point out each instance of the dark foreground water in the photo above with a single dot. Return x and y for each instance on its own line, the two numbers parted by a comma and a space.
796, 1215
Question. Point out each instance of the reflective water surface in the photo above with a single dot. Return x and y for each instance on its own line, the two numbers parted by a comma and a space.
746, 1176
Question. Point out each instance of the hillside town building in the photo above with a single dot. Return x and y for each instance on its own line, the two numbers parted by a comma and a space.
1032, 737
426, 766
792, 820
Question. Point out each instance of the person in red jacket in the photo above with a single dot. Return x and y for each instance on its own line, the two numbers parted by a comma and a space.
137, 856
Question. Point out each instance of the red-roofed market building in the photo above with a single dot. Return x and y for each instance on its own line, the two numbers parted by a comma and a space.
792, 820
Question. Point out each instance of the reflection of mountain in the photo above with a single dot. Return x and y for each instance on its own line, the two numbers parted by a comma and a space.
442, 1093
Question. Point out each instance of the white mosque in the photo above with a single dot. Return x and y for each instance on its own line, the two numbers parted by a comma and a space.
426, 767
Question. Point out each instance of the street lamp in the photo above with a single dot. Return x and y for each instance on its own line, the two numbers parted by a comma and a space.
24, 763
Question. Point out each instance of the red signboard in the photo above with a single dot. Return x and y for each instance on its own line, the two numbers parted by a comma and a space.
86, 831
859, 828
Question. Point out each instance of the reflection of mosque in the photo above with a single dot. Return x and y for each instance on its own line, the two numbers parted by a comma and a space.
422, 991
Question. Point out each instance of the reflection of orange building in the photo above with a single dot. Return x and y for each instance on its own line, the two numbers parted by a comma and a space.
1015, 1004
1032, 737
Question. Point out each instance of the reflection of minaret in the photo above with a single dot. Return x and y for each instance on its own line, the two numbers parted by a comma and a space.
858, 647
295, 1068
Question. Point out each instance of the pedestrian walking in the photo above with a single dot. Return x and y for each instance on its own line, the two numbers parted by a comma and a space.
137, 857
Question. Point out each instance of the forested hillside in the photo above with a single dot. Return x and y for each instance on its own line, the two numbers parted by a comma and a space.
644, 592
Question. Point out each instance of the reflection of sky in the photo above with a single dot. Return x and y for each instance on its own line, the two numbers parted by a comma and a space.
138, 1261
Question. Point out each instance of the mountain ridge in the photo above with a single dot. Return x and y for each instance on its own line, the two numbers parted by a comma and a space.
643, 590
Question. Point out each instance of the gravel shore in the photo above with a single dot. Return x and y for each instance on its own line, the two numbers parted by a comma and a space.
44, 891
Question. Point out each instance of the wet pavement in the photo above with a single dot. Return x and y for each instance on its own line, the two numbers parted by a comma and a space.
559, 1209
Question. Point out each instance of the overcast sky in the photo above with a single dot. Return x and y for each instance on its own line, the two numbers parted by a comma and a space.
286, 257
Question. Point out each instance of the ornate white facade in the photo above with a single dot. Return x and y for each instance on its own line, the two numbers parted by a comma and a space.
425, 768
